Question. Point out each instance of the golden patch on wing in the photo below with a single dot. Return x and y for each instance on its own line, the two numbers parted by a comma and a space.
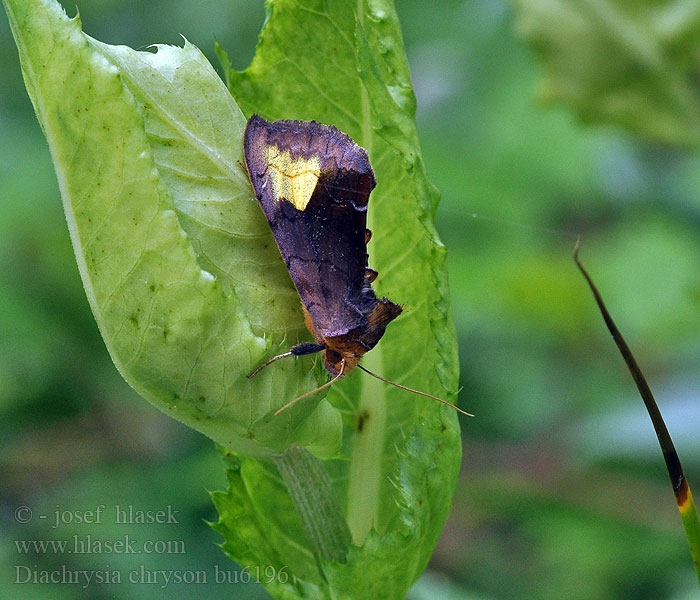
293, 179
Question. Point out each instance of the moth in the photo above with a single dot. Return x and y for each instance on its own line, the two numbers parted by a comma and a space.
313, 184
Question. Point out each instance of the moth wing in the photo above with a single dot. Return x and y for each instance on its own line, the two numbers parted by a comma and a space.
320, 229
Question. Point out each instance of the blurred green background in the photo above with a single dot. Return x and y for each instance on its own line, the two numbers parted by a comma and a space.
563, 491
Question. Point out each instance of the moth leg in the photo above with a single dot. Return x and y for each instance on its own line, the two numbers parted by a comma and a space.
243, 167
306, 348
298, 350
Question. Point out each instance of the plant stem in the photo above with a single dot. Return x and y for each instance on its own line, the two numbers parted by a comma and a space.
366, 472
313, 496
681, 489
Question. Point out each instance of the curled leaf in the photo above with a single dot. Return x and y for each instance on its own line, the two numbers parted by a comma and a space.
178, 263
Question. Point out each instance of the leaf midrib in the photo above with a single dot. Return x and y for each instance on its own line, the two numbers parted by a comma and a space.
365, 474
226, 168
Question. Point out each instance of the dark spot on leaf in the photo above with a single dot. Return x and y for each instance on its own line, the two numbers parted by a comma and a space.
362, 418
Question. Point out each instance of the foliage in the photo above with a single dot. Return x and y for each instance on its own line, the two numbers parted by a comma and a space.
150, 186
650, 86
563, 483
631, 63
171, 249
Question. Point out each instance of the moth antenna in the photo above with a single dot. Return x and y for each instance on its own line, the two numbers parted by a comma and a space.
318, 389
408, 389
268, 362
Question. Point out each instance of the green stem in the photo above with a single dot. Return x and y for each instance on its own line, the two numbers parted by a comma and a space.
365, 476
366, 472
689, 515
313, 496
681, 489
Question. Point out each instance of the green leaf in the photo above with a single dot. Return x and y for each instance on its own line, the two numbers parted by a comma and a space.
613, 61
190, 293
344, 64
169, 241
